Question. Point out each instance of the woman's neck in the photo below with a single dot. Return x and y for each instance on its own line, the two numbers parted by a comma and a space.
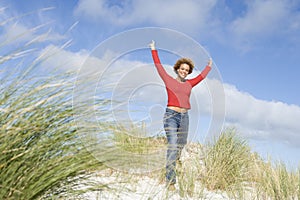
179, 79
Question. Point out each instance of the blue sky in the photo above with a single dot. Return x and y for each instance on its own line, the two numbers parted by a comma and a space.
255, 46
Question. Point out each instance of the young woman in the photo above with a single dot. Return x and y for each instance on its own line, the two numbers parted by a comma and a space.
176, 118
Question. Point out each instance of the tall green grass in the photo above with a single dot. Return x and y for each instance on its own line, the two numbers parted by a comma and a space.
41, 155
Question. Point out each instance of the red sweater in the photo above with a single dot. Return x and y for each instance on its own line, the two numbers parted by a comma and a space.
178, 93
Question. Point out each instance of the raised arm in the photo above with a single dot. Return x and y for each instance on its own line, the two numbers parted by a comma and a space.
161, 71
202, 75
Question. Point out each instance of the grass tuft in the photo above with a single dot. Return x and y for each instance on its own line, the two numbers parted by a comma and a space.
40, 152
226, 162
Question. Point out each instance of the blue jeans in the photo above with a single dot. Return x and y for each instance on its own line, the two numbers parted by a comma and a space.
176, 126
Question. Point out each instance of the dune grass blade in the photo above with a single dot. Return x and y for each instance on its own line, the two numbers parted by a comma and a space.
298, 183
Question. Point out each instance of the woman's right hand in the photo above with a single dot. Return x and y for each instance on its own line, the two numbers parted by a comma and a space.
209, 62
152, 45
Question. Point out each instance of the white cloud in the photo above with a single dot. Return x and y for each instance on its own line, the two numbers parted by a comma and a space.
258, 119
55, 57
191, 14
92, 9
261, 18
264, 21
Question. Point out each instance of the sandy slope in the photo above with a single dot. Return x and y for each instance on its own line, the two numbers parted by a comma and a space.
150, 186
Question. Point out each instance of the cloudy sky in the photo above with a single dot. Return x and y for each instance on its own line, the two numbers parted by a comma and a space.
254, 44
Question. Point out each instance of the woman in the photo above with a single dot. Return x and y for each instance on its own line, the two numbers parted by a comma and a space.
176, 118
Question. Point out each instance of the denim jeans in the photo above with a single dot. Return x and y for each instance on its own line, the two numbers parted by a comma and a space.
176, 126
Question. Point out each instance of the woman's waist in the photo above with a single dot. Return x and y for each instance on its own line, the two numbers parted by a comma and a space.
178, 109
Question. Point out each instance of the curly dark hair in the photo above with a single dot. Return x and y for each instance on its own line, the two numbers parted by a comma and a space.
182, 61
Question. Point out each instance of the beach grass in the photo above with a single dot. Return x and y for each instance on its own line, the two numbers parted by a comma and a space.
41, 153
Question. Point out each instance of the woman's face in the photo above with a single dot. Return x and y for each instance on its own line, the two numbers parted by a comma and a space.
183, 70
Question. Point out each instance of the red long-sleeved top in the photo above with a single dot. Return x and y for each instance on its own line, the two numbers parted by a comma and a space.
178, 93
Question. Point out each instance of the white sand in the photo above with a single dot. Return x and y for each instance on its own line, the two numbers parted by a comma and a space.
146, 188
